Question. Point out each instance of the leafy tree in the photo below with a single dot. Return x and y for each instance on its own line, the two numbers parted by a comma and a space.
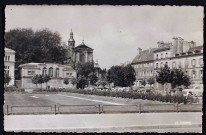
129, 75
46, 79
151, 81
81, 81
74, 81
66, 81
85, 69
7, 79
143, 82
35, 79
40, 80
179, 78
40, 46
164, 76
92, 78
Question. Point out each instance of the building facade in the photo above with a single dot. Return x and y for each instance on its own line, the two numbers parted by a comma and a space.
191, 63
57, 72
180, 54
143, 65
9, 64
79, 54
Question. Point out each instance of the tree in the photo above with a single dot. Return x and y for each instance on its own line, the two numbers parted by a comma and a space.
143, 82
164, 76
92, 78
74, 81
46, 79
40, 80
7, 79
81, 81
40, 46
35, 79
85, 69
66, 81
129, 75
151, 81
179, 78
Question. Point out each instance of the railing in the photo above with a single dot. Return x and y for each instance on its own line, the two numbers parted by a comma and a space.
98, 109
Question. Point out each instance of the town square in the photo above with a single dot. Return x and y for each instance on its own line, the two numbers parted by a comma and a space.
103, 68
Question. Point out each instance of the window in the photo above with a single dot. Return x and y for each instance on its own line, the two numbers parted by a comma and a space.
186, 72
186, 63
51, 72
157, 65
166, 63
201, 61
179, 64
6, 68
7, 58
144, 73
193, 62
157, 57
161, 55
31, 72
44, 71
173, 65
201, 73
69, 74
161, 64
151, 73
136, 74
57, 72
193, 74
166, 55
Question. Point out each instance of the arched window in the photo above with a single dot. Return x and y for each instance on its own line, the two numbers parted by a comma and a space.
57, 72
161, 55
201, 61
201, 73
161, 65
166, 63
44, 71
51, 72
166, 55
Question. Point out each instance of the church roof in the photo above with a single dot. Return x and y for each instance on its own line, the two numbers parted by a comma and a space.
146, 55
83, 46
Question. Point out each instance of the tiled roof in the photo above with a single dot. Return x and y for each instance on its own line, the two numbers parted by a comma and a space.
198, 48
146, 55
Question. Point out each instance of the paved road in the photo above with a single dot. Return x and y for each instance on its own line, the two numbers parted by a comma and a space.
158, 122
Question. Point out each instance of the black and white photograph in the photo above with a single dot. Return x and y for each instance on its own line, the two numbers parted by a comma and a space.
87, 68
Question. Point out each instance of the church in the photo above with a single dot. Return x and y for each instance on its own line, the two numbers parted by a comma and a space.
78, 54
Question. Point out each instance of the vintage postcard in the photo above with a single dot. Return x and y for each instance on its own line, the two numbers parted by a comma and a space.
103, 68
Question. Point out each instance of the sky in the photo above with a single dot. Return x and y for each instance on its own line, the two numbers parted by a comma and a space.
114, 32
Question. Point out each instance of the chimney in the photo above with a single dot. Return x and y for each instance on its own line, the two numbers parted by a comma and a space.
138, 51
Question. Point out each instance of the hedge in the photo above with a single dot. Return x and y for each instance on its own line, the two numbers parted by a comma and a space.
176, 98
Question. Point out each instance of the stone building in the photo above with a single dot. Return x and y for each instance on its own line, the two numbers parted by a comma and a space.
179, 54
191, 63
9, 64
143, 65
57, 72
81, 53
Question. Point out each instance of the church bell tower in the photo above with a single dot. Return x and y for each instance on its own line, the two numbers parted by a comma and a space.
71, 41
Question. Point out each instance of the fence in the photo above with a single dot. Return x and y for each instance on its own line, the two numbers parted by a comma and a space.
93, 109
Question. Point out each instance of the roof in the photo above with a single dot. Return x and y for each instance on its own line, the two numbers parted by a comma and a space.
162, 49
146, 55
36, 64
197, 48
9, 50
83, 46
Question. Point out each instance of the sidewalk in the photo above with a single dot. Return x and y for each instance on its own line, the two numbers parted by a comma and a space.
102, 122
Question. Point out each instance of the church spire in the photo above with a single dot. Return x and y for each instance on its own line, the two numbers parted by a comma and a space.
71, 40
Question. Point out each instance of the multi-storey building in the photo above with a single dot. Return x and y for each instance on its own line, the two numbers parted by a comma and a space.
9, 64
57, 73
179, 54
191, 63
143, 64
